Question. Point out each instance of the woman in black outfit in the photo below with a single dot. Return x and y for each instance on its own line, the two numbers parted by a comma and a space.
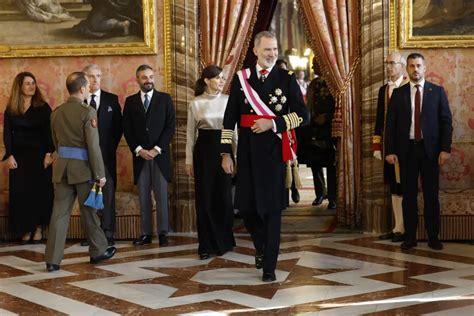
214, 207
28, 145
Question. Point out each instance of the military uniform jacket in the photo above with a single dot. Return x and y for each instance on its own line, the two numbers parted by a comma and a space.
74, 124
154, 127
260, 167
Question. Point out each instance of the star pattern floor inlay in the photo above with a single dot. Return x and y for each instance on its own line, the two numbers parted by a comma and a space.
323, 274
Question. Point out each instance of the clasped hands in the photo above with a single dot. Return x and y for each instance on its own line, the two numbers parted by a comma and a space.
262, 125
148, 154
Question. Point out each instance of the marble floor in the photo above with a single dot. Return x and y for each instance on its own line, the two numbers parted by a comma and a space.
317, 274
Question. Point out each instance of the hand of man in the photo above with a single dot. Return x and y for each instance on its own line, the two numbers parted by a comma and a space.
378, 155
262, 125
391, 159
11, 162
443, 157
189, 170
47, 161
227, 164
145, 154
101, 182
153, 152
320, 119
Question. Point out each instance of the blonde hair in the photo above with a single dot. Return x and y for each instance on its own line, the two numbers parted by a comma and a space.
16, 99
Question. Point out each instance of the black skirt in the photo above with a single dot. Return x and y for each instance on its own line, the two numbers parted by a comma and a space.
215, 212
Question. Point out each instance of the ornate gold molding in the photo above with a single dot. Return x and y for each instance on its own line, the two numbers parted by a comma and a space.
401, 31
147, 46
167, 55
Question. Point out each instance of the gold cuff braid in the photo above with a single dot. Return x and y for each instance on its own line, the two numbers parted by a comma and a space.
227, 136
292, 120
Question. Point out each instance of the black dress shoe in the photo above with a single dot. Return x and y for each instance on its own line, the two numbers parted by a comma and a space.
143, 240
331, 205
110, 241
259, 261
268, 277
295, 195
51, 267
319, 200
109, 253
407, 245
386, 236
163, 240
204, 256
84, 243
435, 244
398, 237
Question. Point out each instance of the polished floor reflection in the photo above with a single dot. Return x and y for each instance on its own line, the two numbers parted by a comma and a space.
318, 274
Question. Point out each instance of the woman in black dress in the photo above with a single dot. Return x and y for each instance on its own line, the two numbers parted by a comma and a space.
28, 145
214, 207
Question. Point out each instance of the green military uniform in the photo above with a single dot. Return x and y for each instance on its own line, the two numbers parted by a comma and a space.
74, 125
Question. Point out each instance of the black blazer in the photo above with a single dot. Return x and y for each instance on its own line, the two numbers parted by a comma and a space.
109, 116
436, 121
153, 128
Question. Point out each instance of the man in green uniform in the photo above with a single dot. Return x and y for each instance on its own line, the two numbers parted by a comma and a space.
79, 164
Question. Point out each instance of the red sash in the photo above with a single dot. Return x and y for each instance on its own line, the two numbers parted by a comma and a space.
288, 140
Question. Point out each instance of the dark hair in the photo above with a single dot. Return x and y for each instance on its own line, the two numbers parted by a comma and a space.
15, 101
280, 62
209, 72
143, 67
76, 81
415, 56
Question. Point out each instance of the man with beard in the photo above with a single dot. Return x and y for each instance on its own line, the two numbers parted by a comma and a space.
267, 104
148, 125
418, 135
109, 18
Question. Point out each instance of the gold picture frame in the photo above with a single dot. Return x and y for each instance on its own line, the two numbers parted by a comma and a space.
58, 39
427, 24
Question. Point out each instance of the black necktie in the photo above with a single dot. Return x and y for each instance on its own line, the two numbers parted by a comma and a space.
92, 103
417, 113
146, 104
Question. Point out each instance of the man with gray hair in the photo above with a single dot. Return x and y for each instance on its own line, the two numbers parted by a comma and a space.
267, 104
394, 64
109, 125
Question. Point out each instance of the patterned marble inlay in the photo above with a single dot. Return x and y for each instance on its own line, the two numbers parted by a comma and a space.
333, 274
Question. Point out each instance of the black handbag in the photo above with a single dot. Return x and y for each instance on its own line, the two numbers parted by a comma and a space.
314, 151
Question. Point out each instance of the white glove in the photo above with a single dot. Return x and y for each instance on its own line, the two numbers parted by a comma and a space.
378, 154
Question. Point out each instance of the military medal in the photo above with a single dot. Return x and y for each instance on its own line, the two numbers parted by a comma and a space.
278, 107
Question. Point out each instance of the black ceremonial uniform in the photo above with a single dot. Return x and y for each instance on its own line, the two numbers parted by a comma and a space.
260, 167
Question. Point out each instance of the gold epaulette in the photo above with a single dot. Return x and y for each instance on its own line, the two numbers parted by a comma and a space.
227, 136
292, 120
377, 139
290, 72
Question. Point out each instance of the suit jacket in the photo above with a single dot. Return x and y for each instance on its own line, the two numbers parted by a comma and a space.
436, 121
74, 124
260, 167
109, 117
153, 128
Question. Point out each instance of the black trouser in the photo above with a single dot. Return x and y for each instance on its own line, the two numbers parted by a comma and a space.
414, 164
265, 234
319, 182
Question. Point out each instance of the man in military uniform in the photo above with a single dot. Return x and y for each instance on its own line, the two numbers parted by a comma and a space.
79, 163
266, 102
394, 65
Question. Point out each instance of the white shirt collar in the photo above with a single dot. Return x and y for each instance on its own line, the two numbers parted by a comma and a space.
97, 94
397, 82
149, 93
421, 83
260, 68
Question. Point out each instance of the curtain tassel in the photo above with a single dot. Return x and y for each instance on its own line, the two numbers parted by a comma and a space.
296, 175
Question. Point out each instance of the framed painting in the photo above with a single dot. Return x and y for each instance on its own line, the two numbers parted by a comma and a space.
40, 28
431, 23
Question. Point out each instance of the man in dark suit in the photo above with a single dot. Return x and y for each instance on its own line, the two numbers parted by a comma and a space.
267, 104
79, 163
148, 125
418, 135
109, 125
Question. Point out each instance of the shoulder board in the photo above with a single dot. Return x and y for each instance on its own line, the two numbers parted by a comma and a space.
290, 72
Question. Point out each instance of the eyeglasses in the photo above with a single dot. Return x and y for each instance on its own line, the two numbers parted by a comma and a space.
391, 63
